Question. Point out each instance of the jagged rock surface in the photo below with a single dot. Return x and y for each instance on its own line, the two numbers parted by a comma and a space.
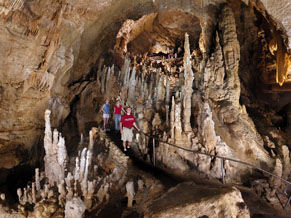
51, 45
195, 201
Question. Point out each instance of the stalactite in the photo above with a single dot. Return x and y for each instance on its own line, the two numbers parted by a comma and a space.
142, 84
107, 78
41, 81
155, 87
283, 59
188, 78
124, 69
131, 88
13, 6
103, 79
160, 92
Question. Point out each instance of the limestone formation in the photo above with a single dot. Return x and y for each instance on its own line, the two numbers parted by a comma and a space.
228, 203
75, 208
188, 74
202, 76
56, 154
130, 193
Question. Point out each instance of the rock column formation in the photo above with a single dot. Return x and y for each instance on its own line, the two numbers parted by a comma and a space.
188, 74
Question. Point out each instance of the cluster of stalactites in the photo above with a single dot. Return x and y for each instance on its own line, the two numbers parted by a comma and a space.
283, 59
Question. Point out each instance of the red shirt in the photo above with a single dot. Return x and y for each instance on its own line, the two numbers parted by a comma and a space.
117, 110
127, 121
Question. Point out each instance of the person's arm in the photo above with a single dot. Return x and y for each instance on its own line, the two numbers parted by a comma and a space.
134, 124
123, 109
103, 108
120, 127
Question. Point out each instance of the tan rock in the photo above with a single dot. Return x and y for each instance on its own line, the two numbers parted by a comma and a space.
189, 200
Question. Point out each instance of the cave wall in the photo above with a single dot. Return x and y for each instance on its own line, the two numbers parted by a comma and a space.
48, 49
208, 118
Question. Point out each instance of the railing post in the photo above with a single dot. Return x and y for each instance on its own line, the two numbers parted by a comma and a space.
222, 170
287, 203
154, 152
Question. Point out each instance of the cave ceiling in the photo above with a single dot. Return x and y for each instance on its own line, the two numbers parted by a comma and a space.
48, 49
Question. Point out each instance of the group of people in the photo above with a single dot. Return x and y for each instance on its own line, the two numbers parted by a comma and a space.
124, 123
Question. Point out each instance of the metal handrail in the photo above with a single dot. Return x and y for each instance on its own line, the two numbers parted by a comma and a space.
223, 158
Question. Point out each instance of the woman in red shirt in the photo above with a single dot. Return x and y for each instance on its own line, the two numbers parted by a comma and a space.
117, 115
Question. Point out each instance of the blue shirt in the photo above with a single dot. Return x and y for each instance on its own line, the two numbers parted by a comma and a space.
106, 109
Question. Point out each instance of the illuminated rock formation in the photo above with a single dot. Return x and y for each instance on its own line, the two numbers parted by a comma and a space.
201, 75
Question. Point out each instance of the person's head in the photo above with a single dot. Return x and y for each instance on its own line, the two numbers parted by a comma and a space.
128, 111
106, 101
118, 102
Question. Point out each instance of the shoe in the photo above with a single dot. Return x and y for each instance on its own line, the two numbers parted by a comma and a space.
124, 149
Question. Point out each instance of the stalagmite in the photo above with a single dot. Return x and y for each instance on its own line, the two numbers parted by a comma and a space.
56, 154
62, 152
2, 196
278, 171
75, 208
33, 193
82, 164
140, 185
24, 197
91, 140
231, 53
172, 118
37, 181
167, 100
19, 194
91, 189
178, 124
102, 192
62, 193
88, 163
46, 190
130, 193
286, 158
188, 75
